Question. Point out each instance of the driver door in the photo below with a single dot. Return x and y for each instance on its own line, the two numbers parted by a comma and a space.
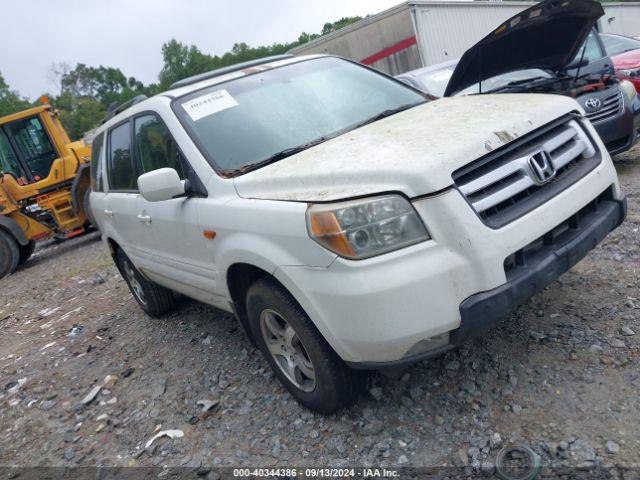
181, 259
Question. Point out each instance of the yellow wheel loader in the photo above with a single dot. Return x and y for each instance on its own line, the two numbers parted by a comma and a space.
44, 184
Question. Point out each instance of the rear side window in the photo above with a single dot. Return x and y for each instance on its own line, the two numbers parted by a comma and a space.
97, 147
154, 145
121, 172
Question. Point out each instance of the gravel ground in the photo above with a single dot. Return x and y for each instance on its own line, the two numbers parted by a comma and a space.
560, 376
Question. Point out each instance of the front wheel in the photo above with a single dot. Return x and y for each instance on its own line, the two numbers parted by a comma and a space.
26, 251
9, 254
296, 351
152, 298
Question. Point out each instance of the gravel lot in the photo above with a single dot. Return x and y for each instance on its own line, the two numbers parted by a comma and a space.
560, 376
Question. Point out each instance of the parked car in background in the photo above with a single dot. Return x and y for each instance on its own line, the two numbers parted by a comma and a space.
616, 44
625, 54
612, 106
432, 80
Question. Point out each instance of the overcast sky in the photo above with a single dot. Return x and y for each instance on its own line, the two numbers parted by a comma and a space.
128, 34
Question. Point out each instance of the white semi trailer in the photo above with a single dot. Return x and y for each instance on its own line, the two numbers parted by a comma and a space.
418, 33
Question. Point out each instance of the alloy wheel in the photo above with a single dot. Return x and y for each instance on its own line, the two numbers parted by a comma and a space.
136, 287
287, 349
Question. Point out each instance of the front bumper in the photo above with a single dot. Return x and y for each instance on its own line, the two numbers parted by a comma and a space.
534, 270
621, 132
403, 306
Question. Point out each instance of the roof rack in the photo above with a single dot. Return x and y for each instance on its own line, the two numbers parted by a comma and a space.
223, 71
114, 109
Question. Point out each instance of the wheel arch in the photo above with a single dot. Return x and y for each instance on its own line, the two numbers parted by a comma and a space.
80, 183
239, 277
113, 250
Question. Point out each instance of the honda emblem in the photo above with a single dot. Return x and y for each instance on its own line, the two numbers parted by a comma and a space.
541, 167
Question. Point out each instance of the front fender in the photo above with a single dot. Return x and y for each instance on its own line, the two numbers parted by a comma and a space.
268, 254
11, 226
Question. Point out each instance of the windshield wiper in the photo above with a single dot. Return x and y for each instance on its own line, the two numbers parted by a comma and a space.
292, 151
387, 113
287, 152
519, 83
535, 82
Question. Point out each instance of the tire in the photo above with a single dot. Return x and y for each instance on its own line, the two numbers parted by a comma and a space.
307, 366
153, 299
26, 251
9, 254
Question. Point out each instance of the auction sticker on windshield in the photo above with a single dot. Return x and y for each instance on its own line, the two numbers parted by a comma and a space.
209, 104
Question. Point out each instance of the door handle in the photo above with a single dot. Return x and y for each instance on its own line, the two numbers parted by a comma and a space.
144, 219
108, 213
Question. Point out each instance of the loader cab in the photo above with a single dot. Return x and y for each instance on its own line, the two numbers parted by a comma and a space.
26, 150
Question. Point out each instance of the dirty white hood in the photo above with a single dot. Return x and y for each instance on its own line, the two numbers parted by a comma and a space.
414, 152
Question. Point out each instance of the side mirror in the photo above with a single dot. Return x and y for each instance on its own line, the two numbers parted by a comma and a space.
159, 185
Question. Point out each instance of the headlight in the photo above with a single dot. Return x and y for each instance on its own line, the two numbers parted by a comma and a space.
628, 90
363, 228
634, 72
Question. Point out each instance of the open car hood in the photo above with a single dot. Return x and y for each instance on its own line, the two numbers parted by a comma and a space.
547, 35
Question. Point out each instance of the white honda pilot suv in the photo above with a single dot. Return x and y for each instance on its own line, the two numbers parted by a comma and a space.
349, 222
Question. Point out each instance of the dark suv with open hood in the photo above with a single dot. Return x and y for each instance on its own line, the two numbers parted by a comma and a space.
551, 47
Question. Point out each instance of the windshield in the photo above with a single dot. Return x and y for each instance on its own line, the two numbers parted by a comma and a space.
616, 44
252, 120
436, 82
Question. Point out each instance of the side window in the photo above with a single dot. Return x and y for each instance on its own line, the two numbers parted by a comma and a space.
35, 146
97, 147
9, 161
592, 50
122, 175
154, 145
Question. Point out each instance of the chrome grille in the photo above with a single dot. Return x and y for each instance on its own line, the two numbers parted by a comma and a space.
611, 106
505, 185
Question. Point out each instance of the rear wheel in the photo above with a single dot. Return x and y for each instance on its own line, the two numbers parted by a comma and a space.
152, 298
296, 351
26, 251
9, 254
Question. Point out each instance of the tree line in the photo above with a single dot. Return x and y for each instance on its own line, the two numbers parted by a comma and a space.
84, 93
